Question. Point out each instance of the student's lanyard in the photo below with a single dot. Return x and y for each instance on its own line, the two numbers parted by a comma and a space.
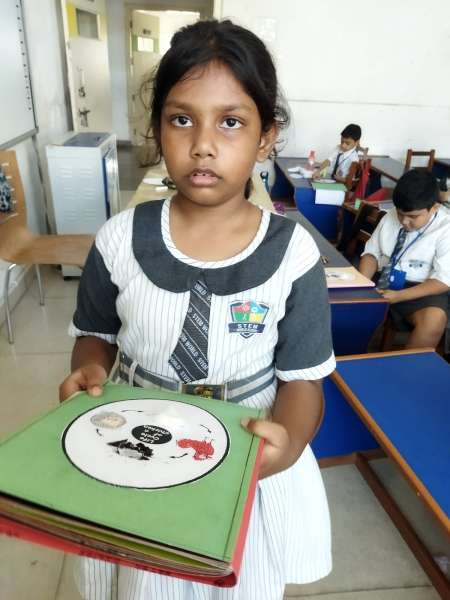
344, 159
396, 258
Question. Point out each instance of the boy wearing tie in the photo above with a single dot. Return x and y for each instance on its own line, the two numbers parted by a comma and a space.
343, 155
410, 251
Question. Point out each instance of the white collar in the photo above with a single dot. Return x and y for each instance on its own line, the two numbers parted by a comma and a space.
345, 154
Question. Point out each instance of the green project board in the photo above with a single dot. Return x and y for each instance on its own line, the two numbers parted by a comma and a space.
152, 465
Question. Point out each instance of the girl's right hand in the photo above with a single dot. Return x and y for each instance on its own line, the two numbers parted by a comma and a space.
89, 378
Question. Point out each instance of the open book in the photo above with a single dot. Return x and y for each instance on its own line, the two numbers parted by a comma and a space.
150, 479
345, 277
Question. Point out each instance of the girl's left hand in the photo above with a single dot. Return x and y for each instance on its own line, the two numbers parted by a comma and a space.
392, 296
276, 452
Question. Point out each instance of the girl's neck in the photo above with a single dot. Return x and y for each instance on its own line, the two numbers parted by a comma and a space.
213, 233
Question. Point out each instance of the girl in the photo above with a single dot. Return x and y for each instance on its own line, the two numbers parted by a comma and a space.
209, 289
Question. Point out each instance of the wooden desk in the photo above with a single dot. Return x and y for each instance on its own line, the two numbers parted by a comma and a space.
399, 401
322, 216
388, 167
355, 313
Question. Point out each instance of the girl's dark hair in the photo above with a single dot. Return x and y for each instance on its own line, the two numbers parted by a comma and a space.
236, 47
415, 190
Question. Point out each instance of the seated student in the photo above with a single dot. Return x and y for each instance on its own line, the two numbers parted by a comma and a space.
411, 248
343, 155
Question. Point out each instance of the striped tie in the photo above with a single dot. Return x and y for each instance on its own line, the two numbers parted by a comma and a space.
336, 165
190, 357
383, 281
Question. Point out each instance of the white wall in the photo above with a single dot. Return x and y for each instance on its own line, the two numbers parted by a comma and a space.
383, 65
50, 105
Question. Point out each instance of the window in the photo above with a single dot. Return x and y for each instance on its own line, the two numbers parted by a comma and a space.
87, 24
145, 44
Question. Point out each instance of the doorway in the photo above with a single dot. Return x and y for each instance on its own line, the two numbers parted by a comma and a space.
148, 38
88, 72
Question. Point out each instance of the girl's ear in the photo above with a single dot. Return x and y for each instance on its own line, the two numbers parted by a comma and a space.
266, 143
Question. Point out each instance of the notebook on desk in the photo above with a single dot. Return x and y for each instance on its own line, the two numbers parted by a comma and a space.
346, 277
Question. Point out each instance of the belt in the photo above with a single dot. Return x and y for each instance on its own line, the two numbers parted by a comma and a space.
231, 391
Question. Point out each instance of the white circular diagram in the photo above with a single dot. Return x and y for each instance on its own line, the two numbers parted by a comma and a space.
146, 443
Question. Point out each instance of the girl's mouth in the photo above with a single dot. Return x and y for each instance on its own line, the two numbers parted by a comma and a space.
203, 177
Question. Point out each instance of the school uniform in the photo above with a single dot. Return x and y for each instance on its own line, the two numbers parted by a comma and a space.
425, 255
134, 292
340, 162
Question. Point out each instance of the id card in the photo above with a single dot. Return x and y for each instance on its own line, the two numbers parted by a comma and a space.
397, 279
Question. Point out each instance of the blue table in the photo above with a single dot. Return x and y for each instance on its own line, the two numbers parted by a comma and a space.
322, 216
401, 402
355, 312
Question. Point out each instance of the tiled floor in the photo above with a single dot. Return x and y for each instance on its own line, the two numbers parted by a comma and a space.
371, 561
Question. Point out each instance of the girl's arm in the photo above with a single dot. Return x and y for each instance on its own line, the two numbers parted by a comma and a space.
92, 360
430, 287
296, 416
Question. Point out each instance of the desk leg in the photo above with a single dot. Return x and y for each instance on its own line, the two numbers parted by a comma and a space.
417, 547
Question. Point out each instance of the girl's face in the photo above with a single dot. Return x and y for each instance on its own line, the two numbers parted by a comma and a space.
211, 136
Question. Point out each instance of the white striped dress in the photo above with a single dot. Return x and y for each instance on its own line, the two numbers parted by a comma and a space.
135, 292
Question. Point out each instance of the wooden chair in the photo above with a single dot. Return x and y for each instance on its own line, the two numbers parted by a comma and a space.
356, 183
411, 153
20, 246
367, 218
357, 178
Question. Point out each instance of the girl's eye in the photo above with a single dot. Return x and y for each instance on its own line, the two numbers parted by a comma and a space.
231, 123
181, 121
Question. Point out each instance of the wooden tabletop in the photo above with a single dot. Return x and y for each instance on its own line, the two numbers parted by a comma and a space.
401, 397
285, 163
389, 167
445, 162
334, 258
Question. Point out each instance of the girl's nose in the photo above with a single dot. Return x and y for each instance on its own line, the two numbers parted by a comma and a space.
203, 143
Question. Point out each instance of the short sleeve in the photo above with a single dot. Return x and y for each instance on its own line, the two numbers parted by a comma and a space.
373, 244
304, 349
96, 312
441, 262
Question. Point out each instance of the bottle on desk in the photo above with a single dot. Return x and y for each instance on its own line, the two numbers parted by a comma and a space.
311, 160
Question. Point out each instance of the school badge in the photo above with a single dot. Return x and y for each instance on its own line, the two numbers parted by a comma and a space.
248, 317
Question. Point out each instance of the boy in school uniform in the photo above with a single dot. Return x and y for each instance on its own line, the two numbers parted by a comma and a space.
343, 155
410, 251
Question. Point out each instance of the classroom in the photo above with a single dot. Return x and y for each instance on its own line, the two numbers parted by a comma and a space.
352, 168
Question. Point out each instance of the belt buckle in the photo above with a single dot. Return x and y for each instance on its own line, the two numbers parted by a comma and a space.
210, 391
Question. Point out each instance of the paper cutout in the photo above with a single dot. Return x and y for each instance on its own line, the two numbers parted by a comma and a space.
148, 444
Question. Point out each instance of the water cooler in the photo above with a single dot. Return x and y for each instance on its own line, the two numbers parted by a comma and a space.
84, 180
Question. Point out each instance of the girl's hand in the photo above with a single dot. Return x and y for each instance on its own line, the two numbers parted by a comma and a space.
276, 452
89, 378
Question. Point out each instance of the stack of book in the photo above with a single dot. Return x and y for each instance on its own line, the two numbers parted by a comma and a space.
145, 478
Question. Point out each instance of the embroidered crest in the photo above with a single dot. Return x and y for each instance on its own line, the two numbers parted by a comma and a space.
247, 317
